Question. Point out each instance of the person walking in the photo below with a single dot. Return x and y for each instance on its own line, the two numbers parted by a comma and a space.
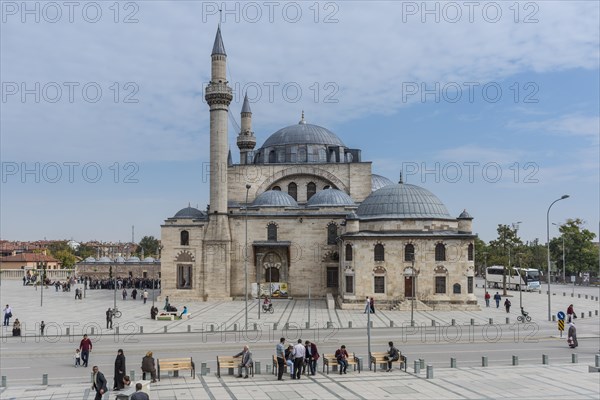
42, 327
134, 294
367, 306
7, 315
497, 299
572, 336
167, 305
341, 355
299, 353
148, 366
372, 305
98, 383
119, 370
77, 358
86, 348
124, 294
280, 353
507, 305
487, 299
109, 317
145, 296
570, 313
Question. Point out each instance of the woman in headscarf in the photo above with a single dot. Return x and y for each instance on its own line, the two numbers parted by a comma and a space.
572, 335
119, 370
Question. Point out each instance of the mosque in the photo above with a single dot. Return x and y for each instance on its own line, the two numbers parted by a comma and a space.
304, 212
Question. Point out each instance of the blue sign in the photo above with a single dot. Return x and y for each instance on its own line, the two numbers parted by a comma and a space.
561, 315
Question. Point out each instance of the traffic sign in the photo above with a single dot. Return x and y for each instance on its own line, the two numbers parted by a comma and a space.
561, 325
561, 315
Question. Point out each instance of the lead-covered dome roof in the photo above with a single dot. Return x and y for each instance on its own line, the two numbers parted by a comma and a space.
402, 201
378, 181
330, 197
274, 198
303, 133
190, 212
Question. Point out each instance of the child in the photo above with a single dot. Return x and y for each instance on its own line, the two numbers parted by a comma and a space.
77, 358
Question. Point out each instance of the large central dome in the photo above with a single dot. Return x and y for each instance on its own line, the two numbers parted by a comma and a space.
303, 133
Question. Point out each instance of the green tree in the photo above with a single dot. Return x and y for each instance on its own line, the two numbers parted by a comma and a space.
150, 245
581, 254
66, 258
504, 248
85, 251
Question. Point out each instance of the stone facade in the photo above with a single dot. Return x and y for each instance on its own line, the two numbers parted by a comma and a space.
309, 213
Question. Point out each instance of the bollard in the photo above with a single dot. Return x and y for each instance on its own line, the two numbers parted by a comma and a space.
189, 328
256, 326
491, 321
68, 330
515, 360
371, 324
582, 315
572, 295
484, 361
472, 321
544, 359
422, 362
234, 327
203, 369
578, 295
141, 329
590, 313
554, 318
93, 330
429, 371
586, 296
164, 329
287, 326
574, 358
132, 375
3, 381
116, 330
391, 324
274, 326
349, 324
453, 322
417, 367
507, 320
45, 379
433, 322
452, 362
257, 367
360, 363
564, 294
212, 328
598, 360
329, 324
306, 325
596, 312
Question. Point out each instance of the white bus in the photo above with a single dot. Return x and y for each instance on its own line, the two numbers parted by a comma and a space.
525, 278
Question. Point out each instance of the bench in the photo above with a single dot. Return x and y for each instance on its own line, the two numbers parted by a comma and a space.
166, 316
379, 358
125, 394
306, 370
330, 360
175, 364
230, 362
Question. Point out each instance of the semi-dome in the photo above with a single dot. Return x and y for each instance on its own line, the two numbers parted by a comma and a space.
190, 212
378, 181
133, 259
149, 260
274, 198
90, 260
104, 259
402, 201
330, 197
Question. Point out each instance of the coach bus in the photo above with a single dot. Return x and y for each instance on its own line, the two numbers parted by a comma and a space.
518, 278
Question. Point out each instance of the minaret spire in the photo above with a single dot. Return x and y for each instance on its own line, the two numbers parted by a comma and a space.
218, 46
246, 140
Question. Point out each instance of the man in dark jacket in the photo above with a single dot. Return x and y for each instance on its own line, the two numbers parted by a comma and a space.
310, 357
148, 366
139, 395
98, 383
86, 347
245, 362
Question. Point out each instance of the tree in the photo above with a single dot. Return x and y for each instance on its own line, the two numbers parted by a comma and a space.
66, 258
85, 251
581, 254
150, 245
508, 241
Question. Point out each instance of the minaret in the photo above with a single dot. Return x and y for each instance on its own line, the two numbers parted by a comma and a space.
246, 140
214, 279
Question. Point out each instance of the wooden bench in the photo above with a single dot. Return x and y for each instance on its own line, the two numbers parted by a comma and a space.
230, 362
330, 360
379, 358
175, 364
166, 316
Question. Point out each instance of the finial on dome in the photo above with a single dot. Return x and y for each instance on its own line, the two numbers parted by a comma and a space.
189, 204
302, 121
401, 180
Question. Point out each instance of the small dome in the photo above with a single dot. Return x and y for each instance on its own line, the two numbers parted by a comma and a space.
402, 201
120, 259
133, 259
90, 260
149, 260
378, 181
274, 198
330, 197
465, 215
190, 212
104, 259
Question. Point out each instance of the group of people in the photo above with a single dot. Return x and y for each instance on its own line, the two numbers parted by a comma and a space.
296, 358
123, 283
134, 294
369, 305
497, 299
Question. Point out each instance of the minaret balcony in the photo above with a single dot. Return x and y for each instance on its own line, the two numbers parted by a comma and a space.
218, 88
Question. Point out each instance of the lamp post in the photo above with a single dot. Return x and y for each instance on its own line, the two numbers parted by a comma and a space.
564, 196
563, 251
246, 258
515, 228
485, 254
521, 276
42, 266
412, 303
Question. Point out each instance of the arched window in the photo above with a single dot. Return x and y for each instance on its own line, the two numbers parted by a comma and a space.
348, 252
379, 252
409, 252
440, 252
456, 288
470, 252
331, 233
293, 190
184, 238
272, 232
272, 157
276, 188
311, 189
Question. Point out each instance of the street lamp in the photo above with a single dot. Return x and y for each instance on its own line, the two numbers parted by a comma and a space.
564, 196
563, 251
246, 257
42, 265
521, 276
485, 254
412, 303
515, 227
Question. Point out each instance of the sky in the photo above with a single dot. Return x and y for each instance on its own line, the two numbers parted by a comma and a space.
492, 106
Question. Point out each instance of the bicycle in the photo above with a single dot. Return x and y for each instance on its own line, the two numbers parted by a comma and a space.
116, 313
524, 316
268, 308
